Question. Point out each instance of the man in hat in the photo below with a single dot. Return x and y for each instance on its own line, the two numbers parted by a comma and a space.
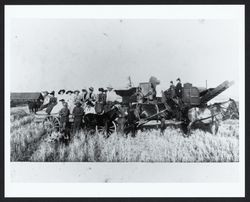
101, 97
70, 100
46, 100
112, 96
172, 89
131, 120
152, 93
77, 97
83, 95
178, 88
52, 102
64, 122
111, 99
101, 101
91, 98
77, 114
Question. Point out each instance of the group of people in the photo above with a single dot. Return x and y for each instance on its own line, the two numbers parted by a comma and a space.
175, 90
77, 103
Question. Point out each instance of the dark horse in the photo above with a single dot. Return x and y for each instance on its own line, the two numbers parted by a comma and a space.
34, 106
103, 123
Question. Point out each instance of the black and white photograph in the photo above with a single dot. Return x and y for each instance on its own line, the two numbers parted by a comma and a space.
124, 90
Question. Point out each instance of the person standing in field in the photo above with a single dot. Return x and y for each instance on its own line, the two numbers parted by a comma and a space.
64, 122
131, 119
77, 114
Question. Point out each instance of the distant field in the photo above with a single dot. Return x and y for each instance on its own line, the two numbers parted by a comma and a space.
30, 142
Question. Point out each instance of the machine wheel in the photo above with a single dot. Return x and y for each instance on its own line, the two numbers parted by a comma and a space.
107, 129
51, 124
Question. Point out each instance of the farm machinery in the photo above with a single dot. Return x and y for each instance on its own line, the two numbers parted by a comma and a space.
169, 110
138, 110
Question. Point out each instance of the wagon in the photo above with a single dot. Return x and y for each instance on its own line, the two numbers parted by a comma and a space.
52, 122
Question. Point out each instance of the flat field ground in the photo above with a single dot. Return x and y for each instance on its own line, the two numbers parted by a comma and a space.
30, 141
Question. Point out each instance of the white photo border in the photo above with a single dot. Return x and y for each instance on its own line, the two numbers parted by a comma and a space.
171, 188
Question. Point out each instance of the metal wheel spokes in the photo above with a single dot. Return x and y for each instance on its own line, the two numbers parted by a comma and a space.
51, 123
107, 129
112, 128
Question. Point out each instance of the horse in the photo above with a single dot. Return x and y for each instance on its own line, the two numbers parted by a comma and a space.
203, 118
228, 109
34, 106
207, 117
104, 120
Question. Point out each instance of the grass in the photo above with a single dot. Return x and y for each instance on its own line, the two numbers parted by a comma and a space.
31, 142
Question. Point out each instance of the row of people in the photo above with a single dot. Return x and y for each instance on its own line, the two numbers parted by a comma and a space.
105, 97
53, 104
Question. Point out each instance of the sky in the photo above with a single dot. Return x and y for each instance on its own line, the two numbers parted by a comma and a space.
51, 54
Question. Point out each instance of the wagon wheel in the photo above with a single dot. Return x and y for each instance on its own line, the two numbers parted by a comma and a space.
107, 129
51, 123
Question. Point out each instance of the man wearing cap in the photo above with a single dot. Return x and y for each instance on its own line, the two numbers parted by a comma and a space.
178, 88
77, 114
64, 122
46, 100
52, 102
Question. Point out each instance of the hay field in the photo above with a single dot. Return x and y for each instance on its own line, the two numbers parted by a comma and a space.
31, 142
